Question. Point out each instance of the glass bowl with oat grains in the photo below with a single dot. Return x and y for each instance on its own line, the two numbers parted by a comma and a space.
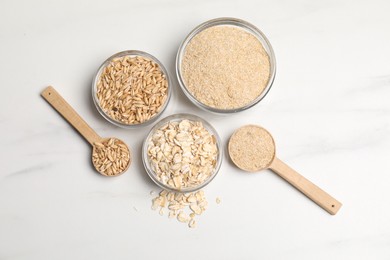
182, 153
225, 65
131, 89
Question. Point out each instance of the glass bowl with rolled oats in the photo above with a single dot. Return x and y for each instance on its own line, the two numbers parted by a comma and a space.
131, 89
182, 153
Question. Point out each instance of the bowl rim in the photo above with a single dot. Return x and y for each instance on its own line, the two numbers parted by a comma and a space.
230, 22
132, 53
178, 117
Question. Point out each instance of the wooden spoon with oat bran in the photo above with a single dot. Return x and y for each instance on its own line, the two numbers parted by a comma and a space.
110, 156
252, 149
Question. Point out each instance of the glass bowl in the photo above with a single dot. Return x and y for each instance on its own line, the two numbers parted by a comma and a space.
131, 53
173, 118
226, 22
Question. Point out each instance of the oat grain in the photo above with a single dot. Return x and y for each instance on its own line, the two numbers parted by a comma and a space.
132, 89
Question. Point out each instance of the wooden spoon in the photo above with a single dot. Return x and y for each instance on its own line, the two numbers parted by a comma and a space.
252, 148
116, 152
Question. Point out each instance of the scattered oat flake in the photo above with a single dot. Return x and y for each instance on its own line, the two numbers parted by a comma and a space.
183, 217
192, 223
218, 200
185, 207
196, 209
171, 214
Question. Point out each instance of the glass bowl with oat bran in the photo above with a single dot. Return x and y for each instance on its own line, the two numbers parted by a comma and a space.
131, 89
225, 65
182, 153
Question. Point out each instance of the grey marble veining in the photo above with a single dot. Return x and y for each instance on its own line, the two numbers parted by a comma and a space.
328, 111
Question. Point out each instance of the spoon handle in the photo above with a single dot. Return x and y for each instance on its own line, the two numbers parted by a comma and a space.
62, 107
313, 192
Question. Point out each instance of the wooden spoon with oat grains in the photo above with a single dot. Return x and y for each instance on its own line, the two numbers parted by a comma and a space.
110, 156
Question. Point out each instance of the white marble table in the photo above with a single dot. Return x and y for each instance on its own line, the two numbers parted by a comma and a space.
329, 112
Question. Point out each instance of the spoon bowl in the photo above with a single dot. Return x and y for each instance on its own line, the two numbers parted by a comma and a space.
108, 169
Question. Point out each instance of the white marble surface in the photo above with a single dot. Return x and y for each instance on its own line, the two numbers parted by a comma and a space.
328, 110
